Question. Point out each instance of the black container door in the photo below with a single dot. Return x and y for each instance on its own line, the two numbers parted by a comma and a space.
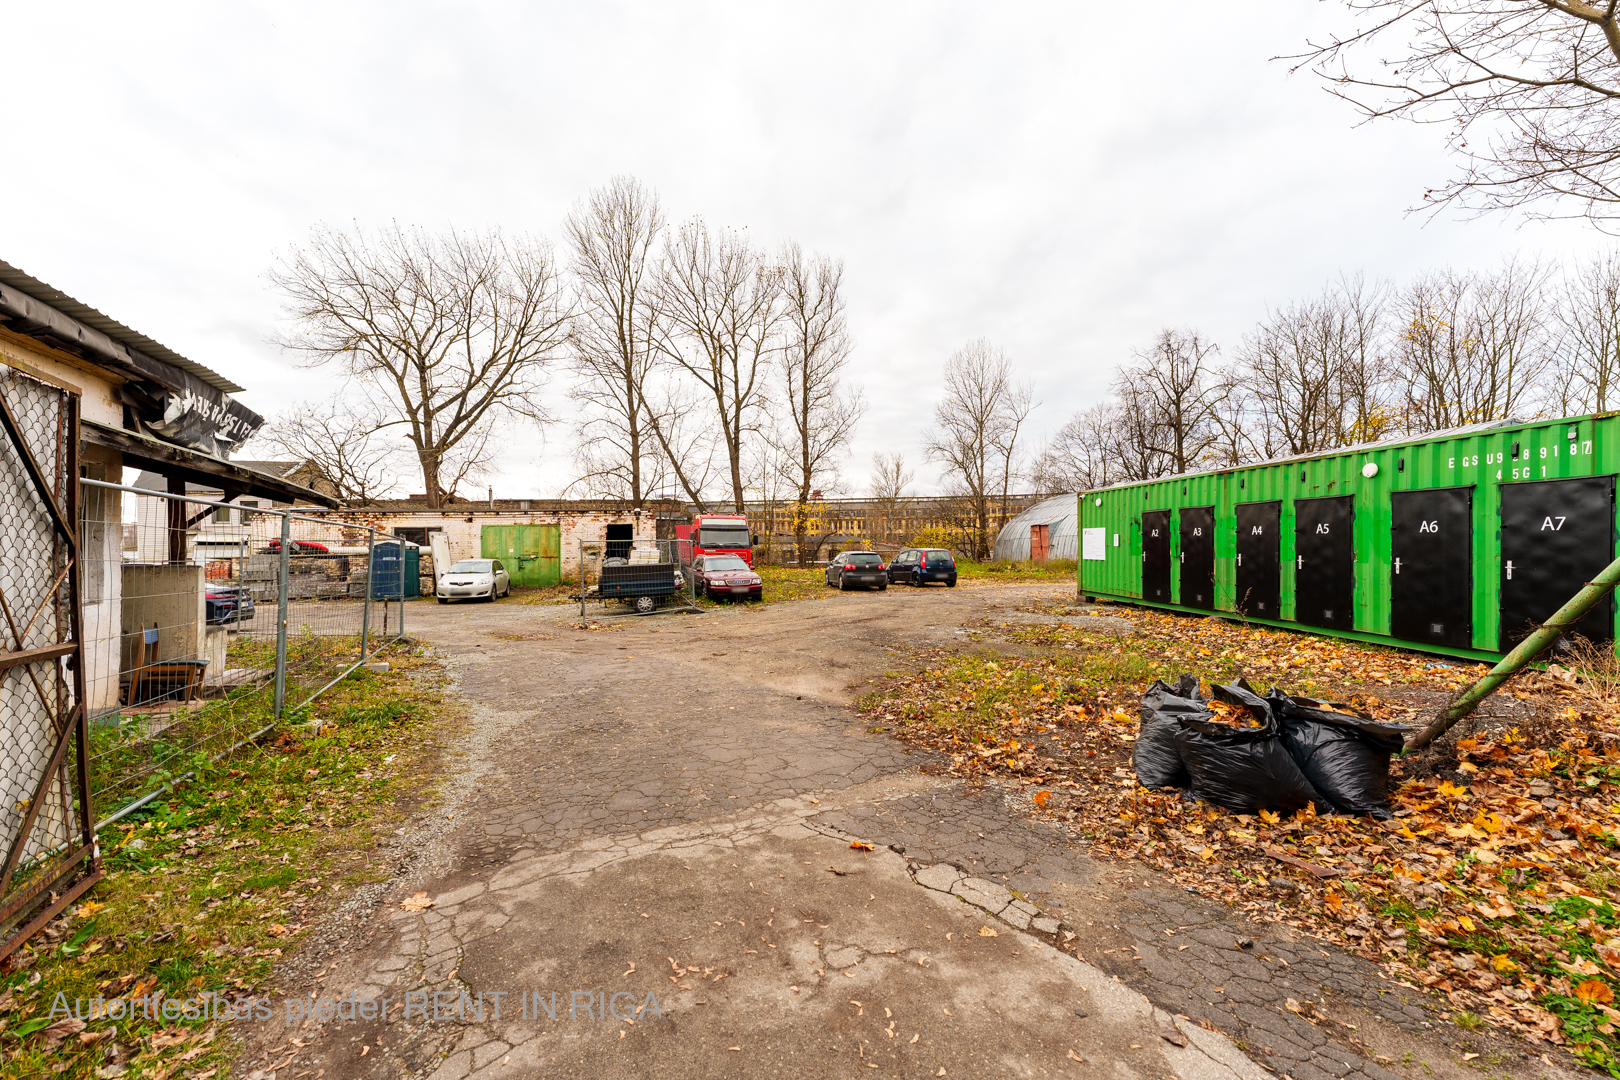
1324, 562
1198, 557
1556, 536
1156, 556
1259, 559
1431, 583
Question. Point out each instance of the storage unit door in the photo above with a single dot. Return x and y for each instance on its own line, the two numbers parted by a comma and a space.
1556, 536
1198, 557
1038, 542
1156, 556
1324, 562
1431, 566
1259, 559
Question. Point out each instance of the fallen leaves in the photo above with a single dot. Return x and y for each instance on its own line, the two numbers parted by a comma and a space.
420, 902
985, 931
860, 845
1496, 884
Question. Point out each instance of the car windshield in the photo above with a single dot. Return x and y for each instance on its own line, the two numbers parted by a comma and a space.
724, 562
470, 566
864, 558
723, 537
938, 555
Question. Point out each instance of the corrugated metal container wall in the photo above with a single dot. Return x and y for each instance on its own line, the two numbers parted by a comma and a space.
1063, 534
1452, 543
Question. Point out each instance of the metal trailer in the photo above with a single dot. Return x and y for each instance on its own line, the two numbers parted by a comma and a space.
1457, 543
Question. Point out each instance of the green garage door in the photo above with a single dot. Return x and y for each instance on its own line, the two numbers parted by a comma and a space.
529, 552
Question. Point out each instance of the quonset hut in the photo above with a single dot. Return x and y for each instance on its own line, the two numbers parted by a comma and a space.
1458, 542
1046, 530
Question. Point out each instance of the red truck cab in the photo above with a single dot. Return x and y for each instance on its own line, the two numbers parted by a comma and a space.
718, 534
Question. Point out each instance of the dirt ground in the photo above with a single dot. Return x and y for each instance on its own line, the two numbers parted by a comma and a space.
645, 848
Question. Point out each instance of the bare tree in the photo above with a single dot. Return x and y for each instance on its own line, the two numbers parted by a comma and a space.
890, 478
721, 309
679, 420
342, 444
1589, 353
975, 432
450, 334
613, 237
821, 411
1172, 398
1540, 77
1084, 454
1311, 376
1472, 345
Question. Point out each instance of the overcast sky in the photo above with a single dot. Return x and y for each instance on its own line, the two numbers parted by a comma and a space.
1063, 179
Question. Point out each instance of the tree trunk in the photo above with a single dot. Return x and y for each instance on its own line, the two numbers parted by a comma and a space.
430, 478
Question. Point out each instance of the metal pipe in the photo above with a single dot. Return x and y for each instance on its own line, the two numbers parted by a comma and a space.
365, 611
282, 589
1527, 650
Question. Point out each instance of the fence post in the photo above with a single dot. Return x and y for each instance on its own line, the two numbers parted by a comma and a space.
365, 612
283, 575
580, 576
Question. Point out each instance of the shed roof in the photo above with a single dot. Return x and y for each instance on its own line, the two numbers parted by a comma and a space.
67, 305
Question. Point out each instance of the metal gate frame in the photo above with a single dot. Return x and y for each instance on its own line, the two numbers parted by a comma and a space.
31, 898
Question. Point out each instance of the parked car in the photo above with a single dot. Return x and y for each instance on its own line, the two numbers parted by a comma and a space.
299, 547
472, 579
719, 576
226, 604
919, 566
863, 568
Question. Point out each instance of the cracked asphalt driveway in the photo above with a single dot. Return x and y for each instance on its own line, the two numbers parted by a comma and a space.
642, 865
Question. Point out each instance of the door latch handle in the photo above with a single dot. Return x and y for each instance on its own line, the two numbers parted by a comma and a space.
1397, 566
1510, 570
1299, 562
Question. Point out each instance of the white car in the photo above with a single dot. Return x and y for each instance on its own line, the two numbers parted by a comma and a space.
471, 579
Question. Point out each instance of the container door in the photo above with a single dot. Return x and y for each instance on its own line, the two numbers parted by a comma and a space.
1324, 562
1556, 536
1156, 556
1198, 557
1259, 559
1431, 568
548, 567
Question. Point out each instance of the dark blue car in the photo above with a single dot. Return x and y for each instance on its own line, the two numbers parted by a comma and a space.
919, 566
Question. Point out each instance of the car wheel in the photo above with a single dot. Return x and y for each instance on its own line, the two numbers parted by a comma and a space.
841, 586
645, 604
883, 587
951, 583
442, 600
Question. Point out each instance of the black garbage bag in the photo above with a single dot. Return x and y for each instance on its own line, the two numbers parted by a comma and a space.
1157, 761
1244, 769
1344, 753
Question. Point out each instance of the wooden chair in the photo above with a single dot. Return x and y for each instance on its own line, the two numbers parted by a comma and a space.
149, 669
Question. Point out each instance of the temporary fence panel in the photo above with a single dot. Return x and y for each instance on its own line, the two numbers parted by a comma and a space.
250, 618
655, 576
46, 837
1453, 543
530, 553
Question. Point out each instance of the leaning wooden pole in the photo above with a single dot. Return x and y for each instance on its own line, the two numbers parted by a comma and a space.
1548, 632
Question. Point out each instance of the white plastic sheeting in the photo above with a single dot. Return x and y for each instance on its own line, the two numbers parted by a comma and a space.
1059, 513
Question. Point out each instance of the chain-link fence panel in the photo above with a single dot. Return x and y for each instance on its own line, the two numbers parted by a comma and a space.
227, 615
642, 577
44, 836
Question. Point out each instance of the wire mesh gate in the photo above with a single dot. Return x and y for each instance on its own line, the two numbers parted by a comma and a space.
209, 621
642, 577
45, 830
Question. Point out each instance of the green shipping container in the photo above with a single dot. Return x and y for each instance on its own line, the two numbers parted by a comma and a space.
1454, 543
530, 553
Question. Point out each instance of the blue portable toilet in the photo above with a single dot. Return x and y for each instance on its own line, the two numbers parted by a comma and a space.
394, 570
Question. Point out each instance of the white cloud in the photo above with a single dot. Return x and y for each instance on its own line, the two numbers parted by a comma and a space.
1064, 179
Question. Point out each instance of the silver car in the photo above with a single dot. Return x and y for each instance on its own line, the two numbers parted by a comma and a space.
474, 579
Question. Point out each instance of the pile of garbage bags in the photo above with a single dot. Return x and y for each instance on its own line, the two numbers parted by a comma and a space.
1285, 753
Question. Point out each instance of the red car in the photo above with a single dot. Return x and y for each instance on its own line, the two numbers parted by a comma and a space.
299, 547
717, 576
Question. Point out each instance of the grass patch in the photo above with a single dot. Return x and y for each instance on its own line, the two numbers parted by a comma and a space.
207, 887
